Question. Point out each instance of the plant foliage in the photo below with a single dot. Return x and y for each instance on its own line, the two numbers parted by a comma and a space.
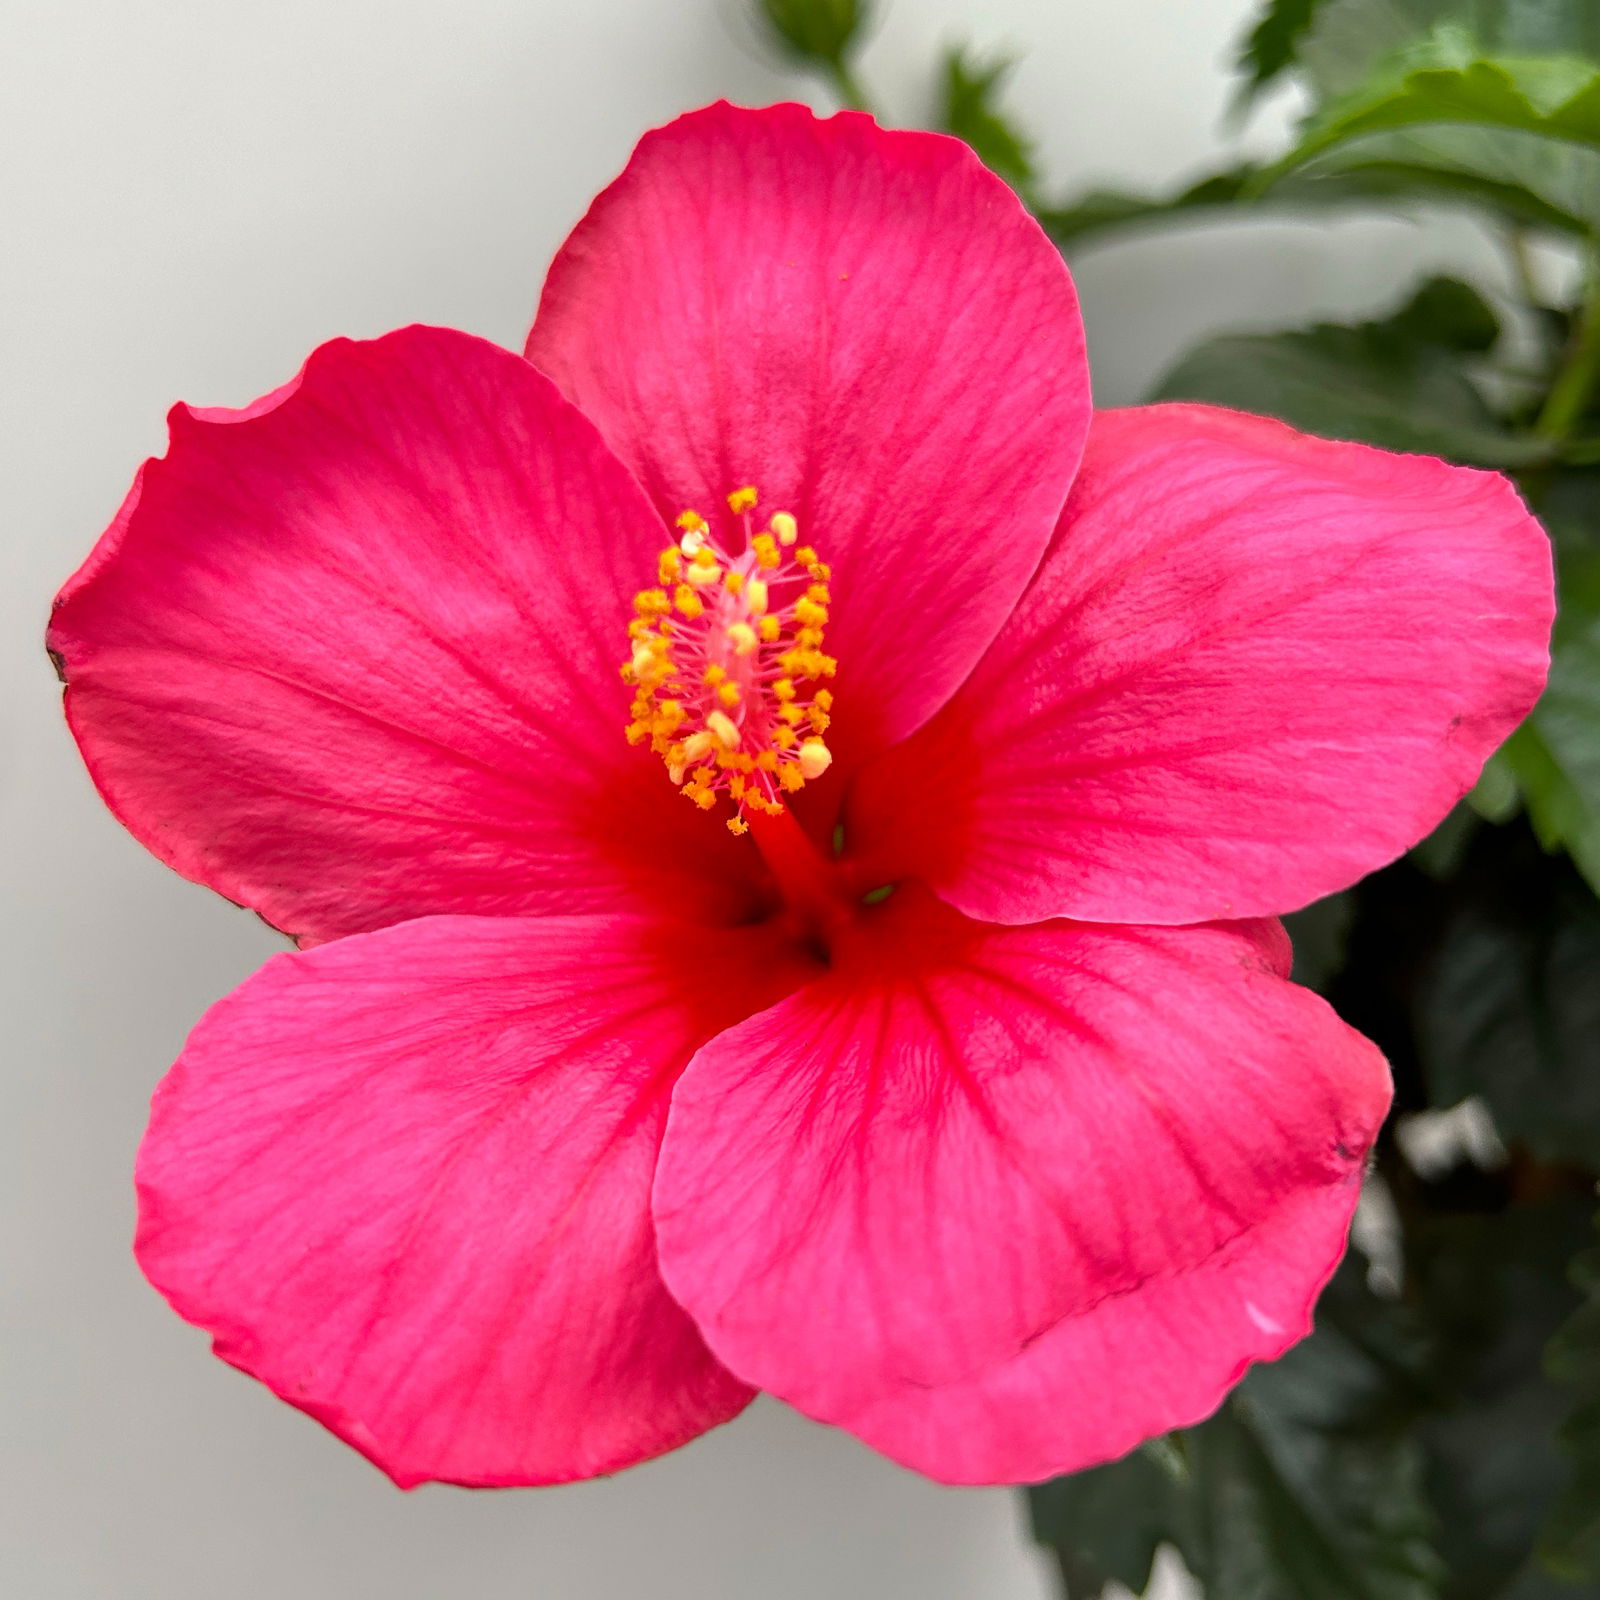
1438, 1435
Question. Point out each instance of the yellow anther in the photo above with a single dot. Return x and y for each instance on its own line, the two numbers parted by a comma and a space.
685, 679
738, 825
815, 759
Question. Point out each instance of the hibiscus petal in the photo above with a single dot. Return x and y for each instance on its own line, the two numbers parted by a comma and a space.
867, 327
965, 1140
350, 655
1127, 1368
403, 1179
1254, 666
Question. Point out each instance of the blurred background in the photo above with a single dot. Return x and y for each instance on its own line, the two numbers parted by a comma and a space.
196, 194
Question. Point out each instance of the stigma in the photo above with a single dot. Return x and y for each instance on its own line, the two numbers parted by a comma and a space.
727, 665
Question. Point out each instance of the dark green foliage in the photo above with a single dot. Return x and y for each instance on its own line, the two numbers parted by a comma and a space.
1305, 1485
1445, 1443
1571, 1543
1107, 1523
1405, 382
1508, 1006
1494, 1291
1555, 755
1439, 1440
1320, 934
1416, 1446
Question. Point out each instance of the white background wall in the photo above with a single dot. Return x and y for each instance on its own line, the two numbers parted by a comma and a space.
194, 193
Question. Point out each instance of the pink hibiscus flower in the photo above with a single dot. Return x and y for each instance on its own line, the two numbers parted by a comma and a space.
583, 1111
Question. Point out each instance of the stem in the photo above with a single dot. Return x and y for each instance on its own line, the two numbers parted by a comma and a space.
846, 86
1580, 373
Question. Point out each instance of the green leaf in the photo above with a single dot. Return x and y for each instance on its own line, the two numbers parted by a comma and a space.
1319, 933
1351, 41
1273, 42
1556, 97
1441, 853
970, 112
1495, 796
1520, 177
1570, 1542
1555, 754
1508, 1007
1356, 57
1106, 1524
1402, 383
1303, 1487
1493, 1289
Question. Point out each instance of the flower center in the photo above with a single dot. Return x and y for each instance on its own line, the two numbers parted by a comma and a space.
728, 666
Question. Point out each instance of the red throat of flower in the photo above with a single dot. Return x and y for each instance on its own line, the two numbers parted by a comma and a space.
728, 663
